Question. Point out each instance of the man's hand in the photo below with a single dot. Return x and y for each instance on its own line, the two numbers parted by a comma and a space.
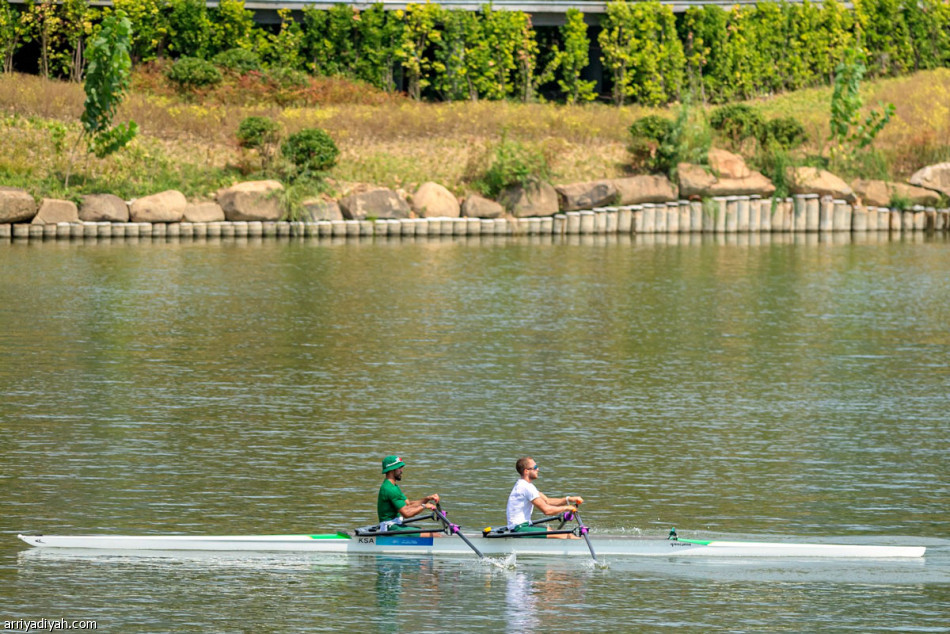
571, 508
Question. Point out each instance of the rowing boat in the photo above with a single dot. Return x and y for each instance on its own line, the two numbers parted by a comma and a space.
346, 543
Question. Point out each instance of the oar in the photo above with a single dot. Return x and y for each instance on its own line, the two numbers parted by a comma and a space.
453, 529
583, 531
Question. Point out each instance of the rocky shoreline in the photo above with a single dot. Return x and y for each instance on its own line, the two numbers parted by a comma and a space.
723, 197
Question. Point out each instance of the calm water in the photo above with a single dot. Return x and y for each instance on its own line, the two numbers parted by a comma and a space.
765, 390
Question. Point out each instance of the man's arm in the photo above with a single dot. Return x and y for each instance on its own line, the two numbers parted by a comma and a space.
413, 507
553, 506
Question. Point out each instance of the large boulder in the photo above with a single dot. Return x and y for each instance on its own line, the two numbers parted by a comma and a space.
882, 193
252, 201
432, 200
586, 195
103, 208
935, 177
319, 209
537, 198
476, 206
167, 206
812, 180
16, 205
373, 202
208, 211
648, 188
697, 182
727, 165
53, 211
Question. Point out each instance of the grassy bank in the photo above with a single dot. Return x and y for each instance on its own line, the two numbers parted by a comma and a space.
188, 144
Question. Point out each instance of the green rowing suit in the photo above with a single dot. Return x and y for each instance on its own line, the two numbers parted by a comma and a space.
389, 501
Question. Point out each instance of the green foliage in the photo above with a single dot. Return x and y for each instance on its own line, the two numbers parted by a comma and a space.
647, 135
284, 48
737, 122
232, 26
884, 35
261, 134
189, 28
191, 72
512, 163
258, 132
783, 132
9, 35
149, 27
460, 34
287, 78
419, 32
574, 59
658, 145
311, 151
851, 134
642, 52
57, 28
239, 60
107, 82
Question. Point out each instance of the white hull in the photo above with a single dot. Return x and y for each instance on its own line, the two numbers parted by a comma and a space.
453, 546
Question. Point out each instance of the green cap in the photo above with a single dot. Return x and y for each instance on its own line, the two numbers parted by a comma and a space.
392, 462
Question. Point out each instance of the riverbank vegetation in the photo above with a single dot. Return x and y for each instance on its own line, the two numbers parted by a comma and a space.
399, 143
464, 98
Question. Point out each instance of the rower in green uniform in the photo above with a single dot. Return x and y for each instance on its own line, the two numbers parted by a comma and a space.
392, 506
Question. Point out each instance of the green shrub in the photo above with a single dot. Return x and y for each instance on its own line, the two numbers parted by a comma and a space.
287, 77
648, 135
513, 164
191, 72
737, 122
310, 150
784, 132
260, 134
256, 132
239, 60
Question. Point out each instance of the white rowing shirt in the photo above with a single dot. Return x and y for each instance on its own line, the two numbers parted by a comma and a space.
520, 502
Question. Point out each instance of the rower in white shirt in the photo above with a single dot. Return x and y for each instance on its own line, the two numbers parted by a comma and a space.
525, 497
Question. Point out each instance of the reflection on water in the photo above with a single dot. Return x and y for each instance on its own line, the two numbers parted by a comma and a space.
781, 385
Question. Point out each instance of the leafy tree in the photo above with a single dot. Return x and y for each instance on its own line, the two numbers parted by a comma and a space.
883, 32
284, 48
189, 28
643, 52
9, 35
527, 58
460, 32
574, 58
232, 26
703, 33
261, 134
928, 25
149, 27
492, 59
108, 79
420, 31
849, 133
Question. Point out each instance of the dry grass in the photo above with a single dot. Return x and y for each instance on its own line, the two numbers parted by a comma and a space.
398, 143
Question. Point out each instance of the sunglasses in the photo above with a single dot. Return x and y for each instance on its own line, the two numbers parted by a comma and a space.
534, 468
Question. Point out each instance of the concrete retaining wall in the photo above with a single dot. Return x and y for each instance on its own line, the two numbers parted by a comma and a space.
728, 215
